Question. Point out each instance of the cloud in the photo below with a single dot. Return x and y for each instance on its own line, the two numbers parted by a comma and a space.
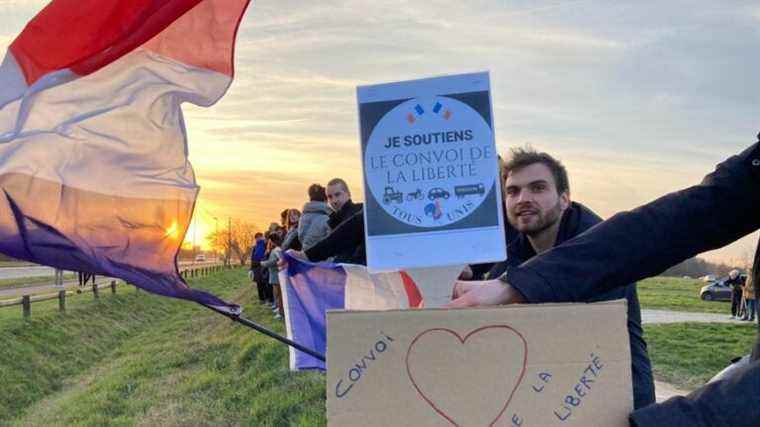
639, 98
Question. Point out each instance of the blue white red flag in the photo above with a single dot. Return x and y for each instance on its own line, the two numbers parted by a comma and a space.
309, 290
93, 155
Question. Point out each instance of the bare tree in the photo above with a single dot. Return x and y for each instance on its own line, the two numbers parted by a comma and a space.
238, 240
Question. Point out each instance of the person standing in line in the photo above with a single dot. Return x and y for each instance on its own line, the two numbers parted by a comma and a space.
735, 281
316, 212
750, 301
274, 282
258, 254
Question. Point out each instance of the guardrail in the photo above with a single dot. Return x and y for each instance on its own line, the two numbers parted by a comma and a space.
26, 301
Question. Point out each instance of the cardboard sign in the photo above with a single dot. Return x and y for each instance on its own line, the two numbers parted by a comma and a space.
529, 365
432, 196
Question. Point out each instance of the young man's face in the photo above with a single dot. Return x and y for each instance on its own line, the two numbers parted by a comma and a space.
531, 198
337, 196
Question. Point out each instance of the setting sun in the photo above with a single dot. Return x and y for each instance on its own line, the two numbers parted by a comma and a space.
172, 231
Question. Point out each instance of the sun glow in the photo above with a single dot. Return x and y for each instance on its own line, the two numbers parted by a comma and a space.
197, 233
172, 232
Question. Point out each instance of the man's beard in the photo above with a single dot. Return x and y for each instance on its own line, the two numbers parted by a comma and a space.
543, 222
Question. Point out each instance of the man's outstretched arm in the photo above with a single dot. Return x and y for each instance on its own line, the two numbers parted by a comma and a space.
640, 243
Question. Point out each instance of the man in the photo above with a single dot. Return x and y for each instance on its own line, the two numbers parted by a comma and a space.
642, 243
339, 198
737, 286
749, 298
256, 272
345, 243
539, 209
313, 225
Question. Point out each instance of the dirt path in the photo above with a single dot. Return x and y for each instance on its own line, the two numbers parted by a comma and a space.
667, 316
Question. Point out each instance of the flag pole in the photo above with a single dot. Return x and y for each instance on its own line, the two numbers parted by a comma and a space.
268, 332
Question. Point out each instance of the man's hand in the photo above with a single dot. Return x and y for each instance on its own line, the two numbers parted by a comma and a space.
466, 273
282, 264
483, 293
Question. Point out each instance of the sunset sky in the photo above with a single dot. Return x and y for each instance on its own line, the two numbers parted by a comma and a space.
636, 98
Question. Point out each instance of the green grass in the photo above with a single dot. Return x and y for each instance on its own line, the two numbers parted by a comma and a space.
9, 316
671, 293
689, 354
138, 359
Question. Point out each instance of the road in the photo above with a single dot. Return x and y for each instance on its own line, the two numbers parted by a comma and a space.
28, 271
667, 316
43, 271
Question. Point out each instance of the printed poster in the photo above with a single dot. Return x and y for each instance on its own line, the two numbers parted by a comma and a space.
431, 179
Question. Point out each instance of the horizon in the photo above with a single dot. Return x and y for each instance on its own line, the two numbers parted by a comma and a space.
637, 100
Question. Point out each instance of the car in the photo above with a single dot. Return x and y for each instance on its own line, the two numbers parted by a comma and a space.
200, 258
717, 290
438, 193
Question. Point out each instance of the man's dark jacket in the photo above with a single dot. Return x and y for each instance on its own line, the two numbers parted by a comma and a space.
575, 220
736, 284
345, 242
646, 241
345, 212
258, 253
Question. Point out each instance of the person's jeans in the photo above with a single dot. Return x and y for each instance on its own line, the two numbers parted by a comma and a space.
751, 309
736, 300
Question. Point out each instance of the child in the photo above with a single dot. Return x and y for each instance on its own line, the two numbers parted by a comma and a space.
275, 240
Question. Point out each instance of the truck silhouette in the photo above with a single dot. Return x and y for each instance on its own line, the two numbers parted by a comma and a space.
392, 195
469, 189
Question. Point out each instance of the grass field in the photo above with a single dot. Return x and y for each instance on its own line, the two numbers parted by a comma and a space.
671, 293
689, 354
138, 359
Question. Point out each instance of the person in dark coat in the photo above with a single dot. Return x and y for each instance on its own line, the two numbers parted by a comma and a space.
345, 243
642, 243
539, 210
258, 254
339, 198
736, 282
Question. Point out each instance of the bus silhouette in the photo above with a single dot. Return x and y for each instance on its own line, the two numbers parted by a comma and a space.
469, 190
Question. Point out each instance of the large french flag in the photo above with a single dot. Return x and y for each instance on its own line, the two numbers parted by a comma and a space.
310, 289
93, 155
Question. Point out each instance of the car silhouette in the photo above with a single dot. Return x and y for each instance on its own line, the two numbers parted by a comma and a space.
718, 290
438, 193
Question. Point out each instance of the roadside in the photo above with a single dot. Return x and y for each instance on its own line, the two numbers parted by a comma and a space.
664, 391
25, 282
670, 293
14, 292
671, 316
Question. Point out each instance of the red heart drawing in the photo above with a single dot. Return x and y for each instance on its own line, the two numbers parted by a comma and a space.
425, 354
